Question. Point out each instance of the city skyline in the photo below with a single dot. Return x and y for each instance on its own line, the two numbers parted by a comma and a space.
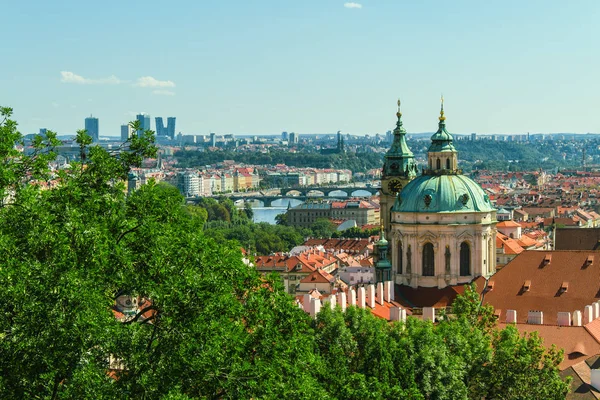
268, 67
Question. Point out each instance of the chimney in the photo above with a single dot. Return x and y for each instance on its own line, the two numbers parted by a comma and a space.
490, 286
564, 319
577, 318
306, 302
395, 314
535, 317
329, 300
595, 378
588, 314
315, 307
511, 316
380, 293
361, 297
352, 297
388, 289
341, 299
429, 314
596, 308
371, 290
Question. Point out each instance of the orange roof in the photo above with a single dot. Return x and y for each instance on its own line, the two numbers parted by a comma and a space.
544, 293
319, 276
576, 341
508, 224
509, 245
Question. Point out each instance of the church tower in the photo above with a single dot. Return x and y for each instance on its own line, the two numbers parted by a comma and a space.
443, 223
399, 168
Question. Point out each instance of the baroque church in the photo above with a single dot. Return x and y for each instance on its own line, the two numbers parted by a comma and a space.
440, 224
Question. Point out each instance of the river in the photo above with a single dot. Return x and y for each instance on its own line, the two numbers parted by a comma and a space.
268, 214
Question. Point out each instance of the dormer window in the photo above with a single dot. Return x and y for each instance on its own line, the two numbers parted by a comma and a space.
527, 286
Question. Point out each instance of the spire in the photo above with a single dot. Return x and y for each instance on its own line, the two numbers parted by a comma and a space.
399, 116
442, 118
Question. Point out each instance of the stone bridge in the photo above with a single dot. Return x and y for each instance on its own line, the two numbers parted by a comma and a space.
301, 194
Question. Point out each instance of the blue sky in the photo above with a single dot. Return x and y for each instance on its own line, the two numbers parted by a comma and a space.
309, 66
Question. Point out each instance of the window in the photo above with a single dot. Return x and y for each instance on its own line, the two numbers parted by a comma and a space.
428, 261
465, 259
447, 163
438, 164
399, 257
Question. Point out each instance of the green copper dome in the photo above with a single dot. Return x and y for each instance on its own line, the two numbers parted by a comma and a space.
443, 193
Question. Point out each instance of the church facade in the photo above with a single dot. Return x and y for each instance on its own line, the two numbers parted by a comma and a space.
442, 226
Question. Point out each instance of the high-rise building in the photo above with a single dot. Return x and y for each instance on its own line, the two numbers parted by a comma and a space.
293, 138
92, 128
126, 132
169, 130
171, 127
144, 123
284, 136
213, 139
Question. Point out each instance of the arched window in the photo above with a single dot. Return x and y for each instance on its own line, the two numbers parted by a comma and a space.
465, 259
428, 263
439, 164
447, 163
399, 257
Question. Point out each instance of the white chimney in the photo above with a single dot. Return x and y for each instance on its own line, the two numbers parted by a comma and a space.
588, 315
371, 289
306, 302
577, 318
511, 316
315, 307
596, 306
595, 378
380, 293
352, 297
402, 315
341, 299
564, 319
395, 314
329, 301
388, 288
429, 314
361, 297
535, 317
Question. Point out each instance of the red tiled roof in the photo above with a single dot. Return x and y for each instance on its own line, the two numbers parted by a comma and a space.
544, 293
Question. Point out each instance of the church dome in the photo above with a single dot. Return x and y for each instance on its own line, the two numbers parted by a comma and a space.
443, 193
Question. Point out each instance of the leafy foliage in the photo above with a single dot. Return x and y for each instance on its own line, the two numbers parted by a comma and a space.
208, 325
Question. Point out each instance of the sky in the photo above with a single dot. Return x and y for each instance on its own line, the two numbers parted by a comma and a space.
307, 66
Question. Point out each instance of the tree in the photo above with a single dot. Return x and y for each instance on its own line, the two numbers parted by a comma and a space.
281, 219
210, 325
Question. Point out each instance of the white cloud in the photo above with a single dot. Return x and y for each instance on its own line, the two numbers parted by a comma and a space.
352, 5
70, 77
148, 81
164, 92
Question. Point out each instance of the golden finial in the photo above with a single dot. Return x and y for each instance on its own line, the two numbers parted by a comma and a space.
442, 118
398, 114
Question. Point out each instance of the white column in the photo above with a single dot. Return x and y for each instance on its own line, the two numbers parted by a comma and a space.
315, 307
352, 297
429, 314
388, 288
588, 314
341, 299
511, 316
371, 292
577, 318
380, 293
361, 297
